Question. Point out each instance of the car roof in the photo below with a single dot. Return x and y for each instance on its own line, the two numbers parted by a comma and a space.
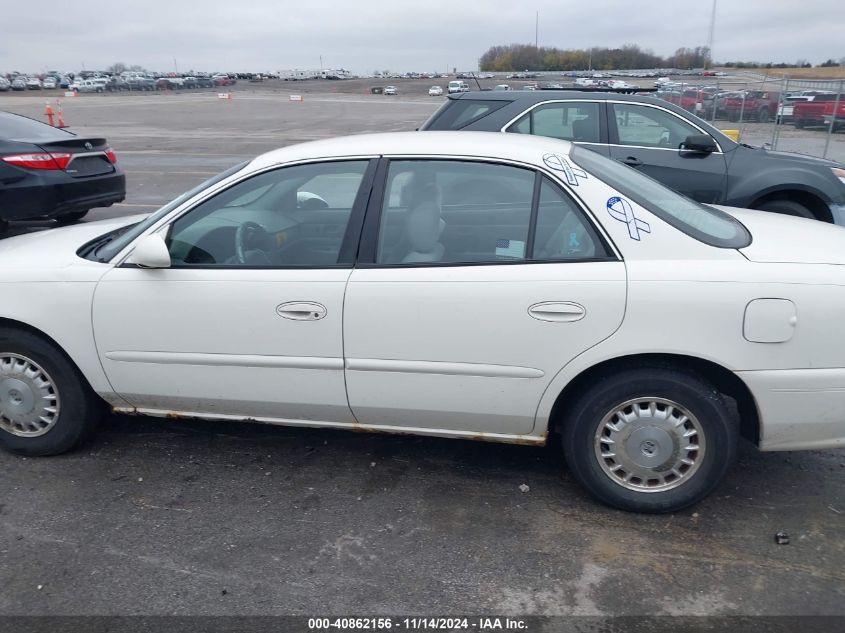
517, 147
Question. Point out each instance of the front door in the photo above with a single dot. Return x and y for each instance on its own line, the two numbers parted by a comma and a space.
648, 138
247, 321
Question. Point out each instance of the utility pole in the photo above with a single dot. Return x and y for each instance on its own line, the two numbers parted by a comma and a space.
537, 31
710, 37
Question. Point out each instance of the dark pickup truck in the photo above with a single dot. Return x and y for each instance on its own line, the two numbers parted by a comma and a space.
663, 141
819, 111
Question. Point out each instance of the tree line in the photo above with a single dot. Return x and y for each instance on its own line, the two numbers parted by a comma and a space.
516, 57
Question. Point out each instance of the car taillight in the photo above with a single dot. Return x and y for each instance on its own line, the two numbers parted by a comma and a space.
111, 156
43, 160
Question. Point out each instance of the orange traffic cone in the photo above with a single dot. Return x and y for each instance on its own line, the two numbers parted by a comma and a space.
61, 122
49, 112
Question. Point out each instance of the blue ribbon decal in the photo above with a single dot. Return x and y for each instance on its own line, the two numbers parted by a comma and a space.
620, 209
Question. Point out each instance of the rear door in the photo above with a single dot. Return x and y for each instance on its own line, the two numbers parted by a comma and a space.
477, 282
648, 137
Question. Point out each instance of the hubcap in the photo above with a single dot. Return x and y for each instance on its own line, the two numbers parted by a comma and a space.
649, 444
29, 400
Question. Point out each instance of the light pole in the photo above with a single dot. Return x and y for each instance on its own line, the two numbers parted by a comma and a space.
709, 56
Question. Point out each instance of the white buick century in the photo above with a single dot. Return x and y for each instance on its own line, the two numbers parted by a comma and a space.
468, 285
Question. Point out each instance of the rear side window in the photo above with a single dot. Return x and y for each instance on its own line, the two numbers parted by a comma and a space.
459, 113
570, 121
468, 212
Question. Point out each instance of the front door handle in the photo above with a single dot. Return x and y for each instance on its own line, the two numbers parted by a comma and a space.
632, 161
558, 311
301, 310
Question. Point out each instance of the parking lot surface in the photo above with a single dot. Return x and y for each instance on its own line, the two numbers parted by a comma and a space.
182, 517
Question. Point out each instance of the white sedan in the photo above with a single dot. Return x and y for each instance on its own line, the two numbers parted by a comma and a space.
458, 284
435, 91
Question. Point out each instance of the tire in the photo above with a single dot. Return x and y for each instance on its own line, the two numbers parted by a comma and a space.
69, 218
763, 115
787, 207
733, 117
72, 410
799, 124
655, 400
4, 226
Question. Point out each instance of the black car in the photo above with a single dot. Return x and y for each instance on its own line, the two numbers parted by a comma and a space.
48, 173
662, 140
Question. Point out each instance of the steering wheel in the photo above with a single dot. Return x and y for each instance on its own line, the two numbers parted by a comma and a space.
250, 232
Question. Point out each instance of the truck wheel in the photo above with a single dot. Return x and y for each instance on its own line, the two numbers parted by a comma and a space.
733, 117
798, 124
787, 207
650, 440
763, 115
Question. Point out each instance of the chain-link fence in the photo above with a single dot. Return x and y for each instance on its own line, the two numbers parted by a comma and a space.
786, 114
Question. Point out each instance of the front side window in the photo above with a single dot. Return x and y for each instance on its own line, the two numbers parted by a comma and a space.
570, 121
644, 126
286, 218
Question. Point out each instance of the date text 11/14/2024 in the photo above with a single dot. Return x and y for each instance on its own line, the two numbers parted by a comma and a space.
492, 623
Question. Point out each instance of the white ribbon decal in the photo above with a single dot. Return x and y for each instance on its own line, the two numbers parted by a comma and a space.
620, 209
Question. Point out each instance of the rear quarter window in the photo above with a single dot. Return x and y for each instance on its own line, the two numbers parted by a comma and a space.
459, 113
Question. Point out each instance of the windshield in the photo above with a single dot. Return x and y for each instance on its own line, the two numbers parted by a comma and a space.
105, 251
704, 223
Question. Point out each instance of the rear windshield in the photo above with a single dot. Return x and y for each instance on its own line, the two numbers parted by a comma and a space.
706, 224
15, 127
458, 113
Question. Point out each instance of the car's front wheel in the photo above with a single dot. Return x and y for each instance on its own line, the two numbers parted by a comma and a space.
650, 440
46, 406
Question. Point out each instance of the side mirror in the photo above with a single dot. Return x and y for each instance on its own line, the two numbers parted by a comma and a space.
150, 252
699, 143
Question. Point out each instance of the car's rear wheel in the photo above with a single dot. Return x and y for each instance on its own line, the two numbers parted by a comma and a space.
763, 115
46, 406
4, 226
68, 218
650, 440
786, 207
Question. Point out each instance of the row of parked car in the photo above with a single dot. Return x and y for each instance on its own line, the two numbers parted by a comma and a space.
113, 83
807, 108
22, 82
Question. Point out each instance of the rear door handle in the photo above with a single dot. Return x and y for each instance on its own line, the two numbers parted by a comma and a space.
632, 161
558, 311
301, 310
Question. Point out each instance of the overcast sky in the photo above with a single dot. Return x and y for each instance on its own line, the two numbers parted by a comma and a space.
401, 35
